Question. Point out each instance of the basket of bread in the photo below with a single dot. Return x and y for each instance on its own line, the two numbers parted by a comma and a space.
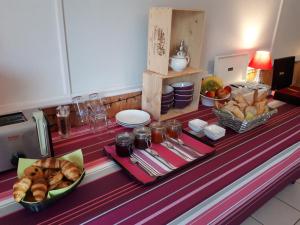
42, 182
242, 115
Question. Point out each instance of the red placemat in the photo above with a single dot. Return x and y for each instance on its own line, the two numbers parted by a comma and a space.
142, 176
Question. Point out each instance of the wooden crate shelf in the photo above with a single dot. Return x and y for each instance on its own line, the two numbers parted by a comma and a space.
152, 92
166, 28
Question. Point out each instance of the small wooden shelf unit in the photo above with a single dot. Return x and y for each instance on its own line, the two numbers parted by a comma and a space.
166, 28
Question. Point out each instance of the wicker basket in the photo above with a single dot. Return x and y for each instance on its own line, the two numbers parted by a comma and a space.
240, 126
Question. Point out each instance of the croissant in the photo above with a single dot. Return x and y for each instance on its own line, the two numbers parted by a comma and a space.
56, 178
70, 170
63, 184
20, 188
39, 189
50, 163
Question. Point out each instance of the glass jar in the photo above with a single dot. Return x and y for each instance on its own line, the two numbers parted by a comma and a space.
142, 137
158, 132
174, 128
124, 144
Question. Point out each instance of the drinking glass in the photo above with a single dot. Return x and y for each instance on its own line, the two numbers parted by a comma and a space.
97, 112
81, 109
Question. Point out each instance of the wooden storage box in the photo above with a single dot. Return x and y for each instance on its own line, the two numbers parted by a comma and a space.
167, 27
152, 92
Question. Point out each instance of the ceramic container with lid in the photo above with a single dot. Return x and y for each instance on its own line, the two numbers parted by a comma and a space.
180, 61
142, 137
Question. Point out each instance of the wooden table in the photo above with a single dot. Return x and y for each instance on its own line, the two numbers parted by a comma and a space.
226, 188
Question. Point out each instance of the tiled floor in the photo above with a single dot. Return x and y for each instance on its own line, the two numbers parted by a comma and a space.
282, 209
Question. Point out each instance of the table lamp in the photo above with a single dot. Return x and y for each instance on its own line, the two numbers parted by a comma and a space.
261, 61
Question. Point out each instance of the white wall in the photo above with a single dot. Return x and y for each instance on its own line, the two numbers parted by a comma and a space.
107, 40
106, 43
287, 40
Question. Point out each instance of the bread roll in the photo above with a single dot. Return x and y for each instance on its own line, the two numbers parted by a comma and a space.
70, 170
20, 188
50, 163
39, 189
33, 172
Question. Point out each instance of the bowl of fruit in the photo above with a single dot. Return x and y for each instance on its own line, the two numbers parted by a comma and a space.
212, 90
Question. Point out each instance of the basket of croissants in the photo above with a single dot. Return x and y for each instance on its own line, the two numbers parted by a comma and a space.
241, 114
42, 182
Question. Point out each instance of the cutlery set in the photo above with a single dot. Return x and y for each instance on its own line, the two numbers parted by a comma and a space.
177, 146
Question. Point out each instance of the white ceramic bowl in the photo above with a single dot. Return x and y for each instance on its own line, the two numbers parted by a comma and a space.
207, 101
185, 85
167, 89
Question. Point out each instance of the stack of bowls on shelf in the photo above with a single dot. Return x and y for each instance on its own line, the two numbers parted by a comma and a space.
167, 98
183, 94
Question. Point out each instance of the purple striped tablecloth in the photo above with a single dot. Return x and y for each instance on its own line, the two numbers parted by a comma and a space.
198, 194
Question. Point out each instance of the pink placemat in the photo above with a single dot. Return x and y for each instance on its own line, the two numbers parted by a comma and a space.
164, 153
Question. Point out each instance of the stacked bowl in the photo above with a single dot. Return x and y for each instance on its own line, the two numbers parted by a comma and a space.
167, 98
183, 94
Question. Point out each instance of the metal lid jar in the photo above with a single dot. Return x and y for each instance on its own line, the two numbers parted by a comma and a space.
124, 144
142, 137
158, 132
174, 128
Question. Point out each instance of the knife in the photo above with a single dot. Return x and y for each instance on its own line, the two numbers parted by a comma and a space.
155, 154
146, 164
167, 144
142, 166
191, 151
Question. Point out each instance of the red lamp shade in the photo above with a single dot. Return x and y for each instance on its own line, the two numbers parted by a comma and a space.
261, 60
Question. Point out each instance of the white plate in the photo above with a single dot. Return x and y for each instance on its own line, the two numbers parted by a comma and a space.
132, 116
133, 125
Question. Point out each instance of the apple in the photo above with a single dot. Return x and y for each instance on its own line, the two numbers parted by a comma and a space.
210, 94
228, 89
221, 93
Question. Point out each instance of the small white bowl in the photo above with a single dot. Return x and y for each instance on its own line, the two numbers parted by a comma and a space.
207, 101
197, 125
214, 132
167, 89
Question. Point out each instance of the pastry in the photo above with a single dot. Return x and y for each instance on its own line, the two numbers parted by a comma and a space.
235, 111
240, 99
250, 113
33, 172
51, 163
55, 178
242, 106
260, 106
50, 173
53, 186
63, 184
262, 96
20, 188
70, 170
39, 189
